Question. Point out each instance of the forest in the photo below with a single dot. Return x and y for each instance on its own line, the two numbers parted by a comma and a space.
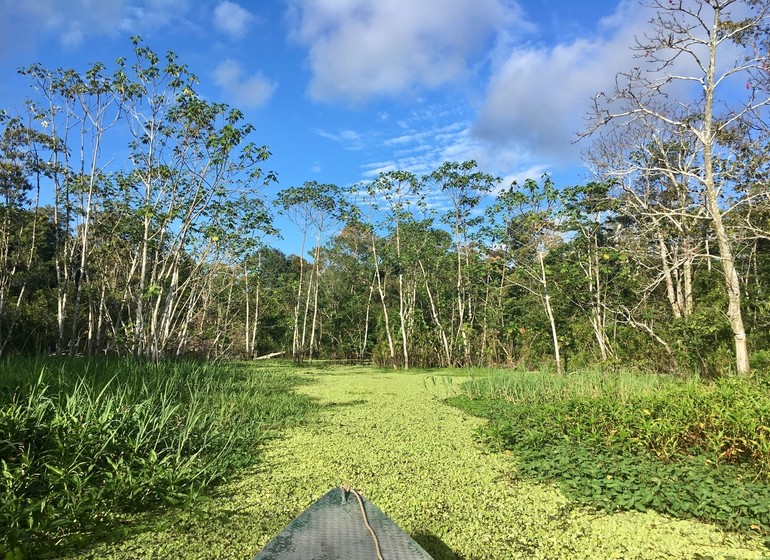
660, 262
613, 333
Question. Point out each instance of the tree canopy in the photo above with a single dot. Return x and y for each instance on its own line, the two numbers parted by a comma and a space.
660, 261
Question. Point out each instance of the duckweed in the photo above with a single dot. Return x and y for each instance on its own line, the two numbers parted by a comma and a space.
389, 435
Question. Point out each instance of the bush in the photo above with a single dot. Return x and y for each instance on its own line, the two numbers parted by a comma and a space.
682, 447
760, 362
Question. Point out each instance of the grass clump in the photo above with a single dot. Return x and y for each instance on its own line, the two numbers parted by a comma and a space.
82, 441
538, 387
633, 441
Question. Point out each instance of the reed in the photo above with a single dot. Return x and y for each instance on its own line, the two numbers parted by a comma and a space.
82, 440
535, 387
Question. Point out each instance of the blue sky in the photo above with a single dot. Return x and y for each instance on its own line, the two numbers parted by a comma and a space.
342, 89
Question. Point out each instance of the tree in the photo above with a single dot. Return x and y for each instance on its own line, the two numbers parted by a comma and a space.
134, 243
527, 230
24, 228
77, 110
395, 193
464, 185
350, 290
318, 207
193, 165
586, 209
712, 45
435, 263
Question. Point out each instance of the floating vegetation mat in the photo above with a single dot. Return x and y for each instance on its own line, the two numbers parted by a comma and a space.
391, 436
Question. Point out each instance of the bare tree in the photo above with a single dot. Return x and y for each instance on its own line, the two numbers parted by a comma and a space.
711, 45
652, 174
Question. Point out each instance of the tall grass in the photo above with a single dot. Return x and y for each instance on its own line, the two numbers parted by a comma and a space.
82, 440
536, 387
728, 420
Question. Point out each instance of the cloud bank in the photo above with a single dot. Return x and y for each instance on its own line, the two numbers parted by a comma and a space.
25, 24
532, 91
538, 96
232, 19
359, 49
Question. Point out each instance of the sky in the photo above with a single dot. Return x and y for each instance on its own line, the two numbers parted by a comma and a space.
341, 90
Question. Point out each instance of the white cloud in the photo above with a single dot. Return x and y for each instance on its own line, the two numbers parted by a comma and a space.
250, 91
539, 97
359, 49
535, 172
150, 15
428, 137
26, 24
232, 19
350, 139
421, 152
72, 38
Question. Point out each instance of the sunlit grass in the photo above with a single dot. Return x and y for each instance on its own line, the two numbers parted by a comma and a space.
81, 440
626, 440
534, 387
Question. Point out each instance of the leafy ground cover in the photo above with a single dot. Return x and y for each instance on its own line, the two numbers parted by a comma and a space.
84, 441
635, 442
392, 436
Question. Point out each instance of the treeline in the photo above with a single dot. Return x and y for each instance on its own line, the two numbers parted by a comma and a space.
662, 261
126, 198
530, 273
572, 276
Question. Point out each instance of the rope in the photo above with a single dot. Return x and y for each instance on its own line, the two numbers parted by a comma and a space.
366, 521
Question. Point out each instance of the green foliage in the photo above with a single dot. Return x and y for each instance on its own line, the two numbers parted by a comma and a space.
81, 441
689, 487
389, 435
632, 441
760, 363
539, 387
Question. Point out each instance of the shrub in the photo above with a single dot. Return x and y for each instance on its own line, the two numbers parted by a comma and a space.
682, 447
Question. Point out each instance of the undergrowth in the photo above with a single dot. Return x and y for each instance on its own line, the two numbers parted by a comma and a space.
82, 441
633, 442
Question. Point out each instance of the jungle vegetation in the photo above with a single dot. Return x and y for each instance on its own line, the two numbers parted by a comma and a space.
660, 262
160, 254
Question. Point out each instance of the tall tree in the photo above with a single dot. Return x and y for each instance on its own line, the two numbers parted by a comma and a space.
649, 173
586, 209
192, 163
714, 45
464, 185
396, 194
526, 218
22, 224
350, 290
75, 110
317, 207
